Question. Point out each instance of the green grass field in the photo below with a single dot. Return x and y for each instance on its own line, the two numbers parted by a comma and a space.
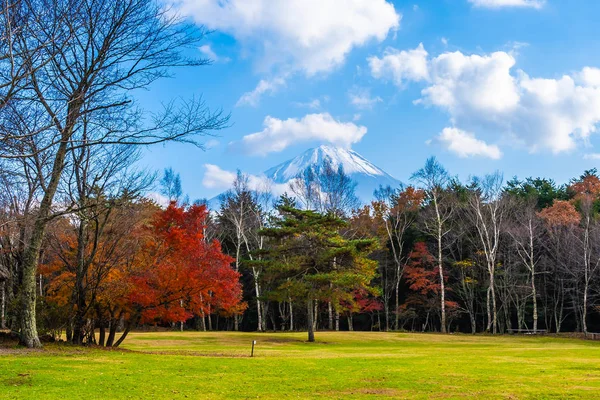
350, 364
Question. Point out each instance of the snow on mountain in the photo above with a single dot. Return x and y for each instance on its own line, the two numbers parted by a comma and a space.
367, 176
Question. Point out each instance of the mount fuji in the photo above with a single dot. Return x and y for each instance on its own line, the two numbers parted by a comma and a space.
367, 176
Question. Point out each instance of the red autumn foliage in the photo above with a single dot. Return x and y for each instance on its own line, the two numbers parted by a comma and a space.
420, 273
422, 276
162, 271
181, 274
367, 303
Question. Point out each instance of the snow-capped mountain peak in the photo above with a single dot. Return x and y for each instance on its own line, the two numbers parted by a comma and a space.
367, 176
351, 161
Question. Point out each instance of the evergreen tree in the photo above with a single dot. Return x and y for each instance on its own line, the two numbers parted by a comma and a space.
312, 262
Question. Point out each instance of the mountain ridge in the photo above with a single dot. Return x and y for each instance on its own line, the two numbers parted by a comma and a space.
368, 176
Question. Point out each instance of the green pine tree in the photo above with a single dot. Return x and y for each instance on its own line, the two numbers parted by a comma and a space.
311, 261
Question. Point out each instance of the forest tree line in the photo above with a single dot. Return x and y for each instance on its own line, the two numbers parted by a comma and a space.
82, 250
486, 255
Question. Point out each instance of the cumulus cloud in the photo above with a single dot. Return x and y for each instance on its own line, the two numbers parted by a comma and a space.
508, 3
400, 66
466, 84
217, 178
590, 76
465, 144
484, 94
265, 86
361, 98
279, 134
311, 35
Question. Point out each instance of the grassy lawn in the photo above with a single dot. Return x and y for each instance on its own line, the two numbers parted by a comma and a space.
350, 364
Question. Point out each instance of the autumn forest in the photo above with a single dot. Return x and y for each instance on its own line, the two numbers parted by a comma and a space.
87, 256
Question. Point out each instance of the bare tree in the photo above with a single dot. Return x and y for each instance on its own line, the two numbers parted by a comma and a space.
305, 188
242, 217
170, 185
100, 180
90, 57
526, 229
337, 190
400, 211
488, 211
434, 180
590, 251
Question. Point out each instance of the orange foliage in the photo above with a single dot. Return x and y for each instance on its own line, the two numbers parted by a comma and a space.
561, 213
179, 274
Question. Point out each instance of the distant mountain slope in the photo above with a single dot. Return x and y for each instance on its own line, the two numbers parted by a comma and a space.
367, 176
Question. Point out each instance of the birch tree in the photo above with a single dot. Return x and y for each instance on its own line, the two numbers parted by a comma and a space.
525, 231
434, 180
488, 211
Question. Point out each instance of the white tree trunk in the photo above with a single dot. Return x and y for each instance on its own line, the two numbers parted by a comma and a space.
3, 307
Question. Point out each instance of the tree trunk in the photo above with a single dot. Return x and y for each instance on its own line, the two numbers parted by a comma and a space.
535, 310
311, 332
397, 316
291, 316
350, 324
494, 309
27, 297
442, 283
330, 316
131, 324
102, 336
315, 315
3, 307
337, 321
585, 305
258, 303
489, 309
236, 323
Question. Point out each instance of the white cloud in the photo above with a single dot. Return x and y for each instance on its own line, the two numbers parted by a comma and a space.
209, 52
159, 199
308, 35
279, 134
465, 144
217, 178
400, 66
482, 93
591, 156
361, 98
508, 3
253, 97
467, 84
314, 104
590, 76
444, 41
211, 144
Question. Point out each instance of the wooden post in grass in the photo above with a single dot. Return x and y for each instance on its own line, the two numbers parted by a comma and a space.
252, 353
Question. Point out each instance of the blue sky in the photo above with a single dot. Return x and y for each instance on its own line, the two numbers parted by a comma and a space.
512, 85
